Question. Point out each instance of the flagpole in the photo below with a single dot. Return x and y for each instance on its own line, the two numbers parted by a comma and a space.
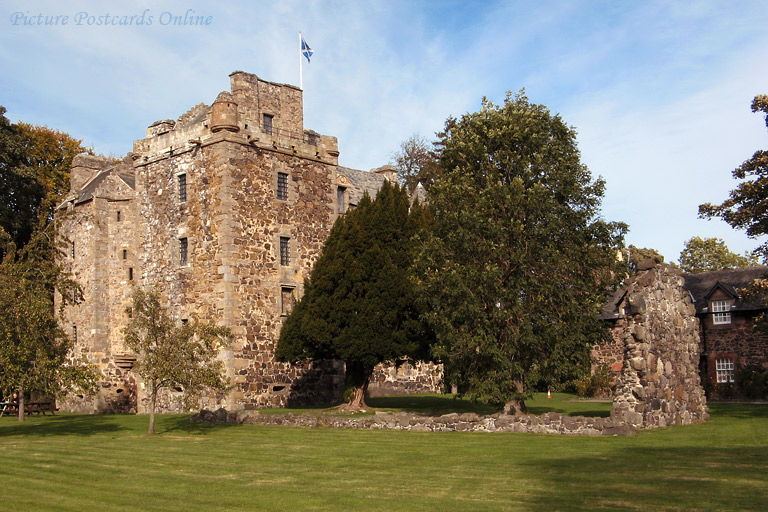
301, 77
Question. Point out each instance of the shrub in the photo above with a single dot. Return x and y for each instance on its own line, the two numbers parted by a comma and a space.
599, 383
752, 381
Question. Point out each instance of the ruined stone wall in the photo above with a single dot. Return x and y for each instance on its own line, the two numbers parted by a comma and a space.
405, 377
659, 384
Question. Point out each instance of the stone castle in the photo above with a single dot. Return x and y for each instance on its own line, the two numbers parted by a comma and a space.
225, 211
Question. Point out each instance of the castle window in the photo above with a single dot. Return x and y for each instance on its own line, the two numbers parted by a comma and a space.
125, 254
287, 300
282, 186
73, 250
130, 274
182, 188
268, 124
74, 333
285, 251
119, 216
340, 200
721, 310
725, 370
183, 245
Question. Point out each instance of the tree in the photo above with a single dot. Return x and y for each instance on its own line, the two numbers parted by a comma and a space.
359, 304
519, 261
707, 254
34, 175
172, 356
747, 206
34, 351
416, 162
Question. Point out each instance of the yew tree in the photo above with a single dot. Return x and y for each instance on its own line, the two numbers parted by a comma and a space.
359, 304
747, 206
519, 260
171, 356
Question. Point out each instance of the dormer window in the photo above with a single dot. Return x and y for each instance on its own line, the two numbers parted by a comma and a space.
721, 310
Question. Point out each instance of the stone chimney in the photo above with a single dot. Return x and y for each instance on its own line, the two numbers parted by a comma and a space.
388, 171
85, 167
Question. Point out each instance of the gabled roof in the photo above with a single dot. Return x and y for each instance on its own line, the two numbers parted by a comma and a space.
86, 193
704, 284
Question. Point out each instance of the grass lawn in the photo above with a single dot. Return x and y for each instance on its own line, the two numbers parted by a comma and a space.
107, 462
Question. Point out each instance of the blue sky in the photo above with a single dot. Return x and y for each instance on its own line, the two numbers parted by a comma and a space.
659, 92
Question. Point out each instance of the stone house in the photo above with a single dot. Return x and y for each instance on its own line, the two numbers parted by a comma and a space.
224, 210
726, 319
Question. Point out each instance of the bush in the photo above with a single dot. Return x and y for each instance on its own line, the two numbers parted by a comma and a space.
599, 383
752, 381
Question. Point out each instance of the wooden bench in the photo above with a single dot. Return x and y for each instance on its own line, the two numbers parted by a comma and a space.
12, 408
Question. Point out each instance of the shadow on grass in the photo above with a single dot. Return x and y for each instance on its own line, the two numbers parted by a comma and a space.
738, 410
434, 405
659, 478
182, 424
74, 424
595, 413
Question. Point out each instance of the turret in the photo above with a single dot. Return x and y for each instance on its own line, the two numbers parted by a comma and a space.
224, 113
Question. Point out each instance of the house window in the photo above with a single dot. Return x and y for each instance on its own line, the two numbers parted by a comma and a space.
285, 251
721, 310
182, 188
724, 368
287, 300
340, 200
183, 245
282, 186
268, 124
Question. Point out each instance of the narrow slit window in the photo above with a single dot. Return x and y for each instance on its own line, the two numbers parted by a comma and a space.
340, 200
183, 246
119, 216
130, 273
74, 333
125, 254
285, 251
282, 186
182, 188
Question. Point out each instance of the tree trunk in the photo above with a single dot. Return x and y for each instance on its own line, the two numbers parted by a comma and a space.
152, 399
20, 403
516, 406
358, 379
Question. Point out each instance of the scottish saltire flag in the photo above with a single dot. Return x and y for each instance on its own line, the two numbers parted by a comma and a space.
305, 49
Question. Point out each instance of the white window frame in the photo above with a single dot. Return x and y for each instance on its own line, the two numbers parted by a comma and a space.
721, 312
725, 370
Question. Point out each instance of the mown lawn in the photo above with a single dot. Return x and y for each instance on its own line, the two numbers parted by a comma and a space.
81, 462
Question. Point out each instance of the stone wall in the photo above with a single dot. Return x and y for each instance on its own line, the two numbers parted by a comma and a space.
659, 384
405, 377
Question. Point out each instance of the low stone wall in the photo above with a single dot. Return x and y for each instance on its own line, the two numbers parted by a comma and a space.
549, 423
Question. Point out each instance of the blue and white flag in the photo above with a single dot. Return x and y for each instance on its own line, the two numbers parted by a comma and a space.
305, 49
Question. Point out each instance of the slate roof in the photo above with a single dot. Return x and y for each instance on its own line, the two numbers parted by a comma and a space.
86, 193
361, 181
702, 285
610, 309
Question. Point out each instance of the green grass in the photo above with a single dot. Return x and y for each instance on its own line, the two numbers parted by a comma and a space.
108, 463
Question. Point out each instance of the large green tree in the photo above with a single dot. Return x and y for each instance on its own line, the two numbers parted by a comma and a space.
708, 254
747, 206
35, 353
34, 175
171, 355
519, 260
359, 305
